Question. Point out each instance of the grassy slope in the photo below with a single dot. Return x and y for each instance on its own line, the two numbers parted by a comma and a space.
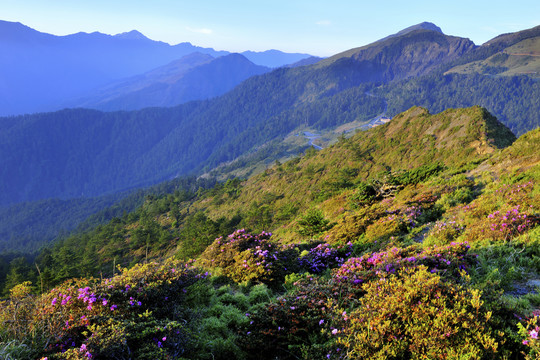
522, 58
486, 176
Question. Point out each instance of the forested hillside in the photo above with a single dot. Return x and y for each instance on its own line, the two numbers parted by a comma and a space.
519, 110
413, 221
74, 153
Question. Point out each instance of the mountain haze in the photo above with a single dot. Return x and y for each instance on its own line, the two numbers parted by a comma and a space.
193, 77
79, 63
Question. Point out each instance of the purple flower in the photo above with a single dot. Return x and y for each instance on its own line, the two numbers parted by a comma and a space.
321, 322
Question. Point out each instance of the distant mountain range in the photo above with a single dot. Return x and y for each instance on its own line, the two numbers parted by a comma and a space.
40, 71
196, 76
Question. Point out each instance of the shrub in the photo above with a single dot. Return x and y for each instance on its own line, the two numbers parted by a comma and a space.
323, 256
246, 257
365, 193
529, 333
446, 261
385, 228
502, 214
351, 227
414, 314
137, 314
313, 223
300, 324
444, 232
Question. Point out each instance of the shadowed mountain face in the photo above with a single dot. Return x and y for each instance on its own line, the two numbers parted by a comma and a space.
194, 77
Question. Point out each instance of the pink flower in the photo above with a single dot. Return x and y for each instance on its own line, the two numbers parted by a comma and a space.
334, 332
53, 302
534, 334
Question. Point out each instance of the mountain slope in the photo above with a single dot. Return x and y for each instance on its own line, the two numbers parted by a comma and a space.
194, 77
169, 73
413, 53
507, 55
414, 146
448, 250
414, 138
122, 150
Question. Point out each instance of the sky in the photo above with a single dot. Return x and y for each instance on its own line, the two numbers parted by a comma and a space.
316, 27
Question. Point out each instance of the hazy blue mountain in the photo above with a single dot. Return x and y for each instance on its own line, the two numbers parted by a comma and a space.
40, 72
193, 77
307, 61
274, 58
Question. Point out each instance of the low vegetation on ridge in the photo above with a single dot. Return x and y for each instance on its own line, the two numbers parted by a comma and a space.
416, 239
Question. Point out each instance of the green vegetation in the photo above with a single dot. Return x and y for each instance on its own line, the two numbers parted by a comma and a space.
438, 92
77, 152
415, 239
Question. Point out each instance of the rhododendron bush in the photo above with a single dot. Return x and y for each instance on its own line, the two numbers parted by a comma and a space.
137, 312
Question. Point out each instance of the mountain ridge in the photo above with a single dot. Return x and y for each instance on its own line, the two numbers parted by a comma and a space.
193, 77
78, 64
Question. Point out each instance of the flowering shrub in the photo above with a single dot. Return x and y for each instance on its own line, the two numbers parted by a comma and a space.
529, 333
311, 320
516, 194
246, 257
301, 324
221, 253
323, 256
414, 314
444, 231
503, 214
446, 260
138, 312
507, 224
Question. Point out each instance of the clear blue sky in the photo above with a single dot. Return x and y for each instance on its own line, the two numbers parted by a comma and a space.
318, 27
